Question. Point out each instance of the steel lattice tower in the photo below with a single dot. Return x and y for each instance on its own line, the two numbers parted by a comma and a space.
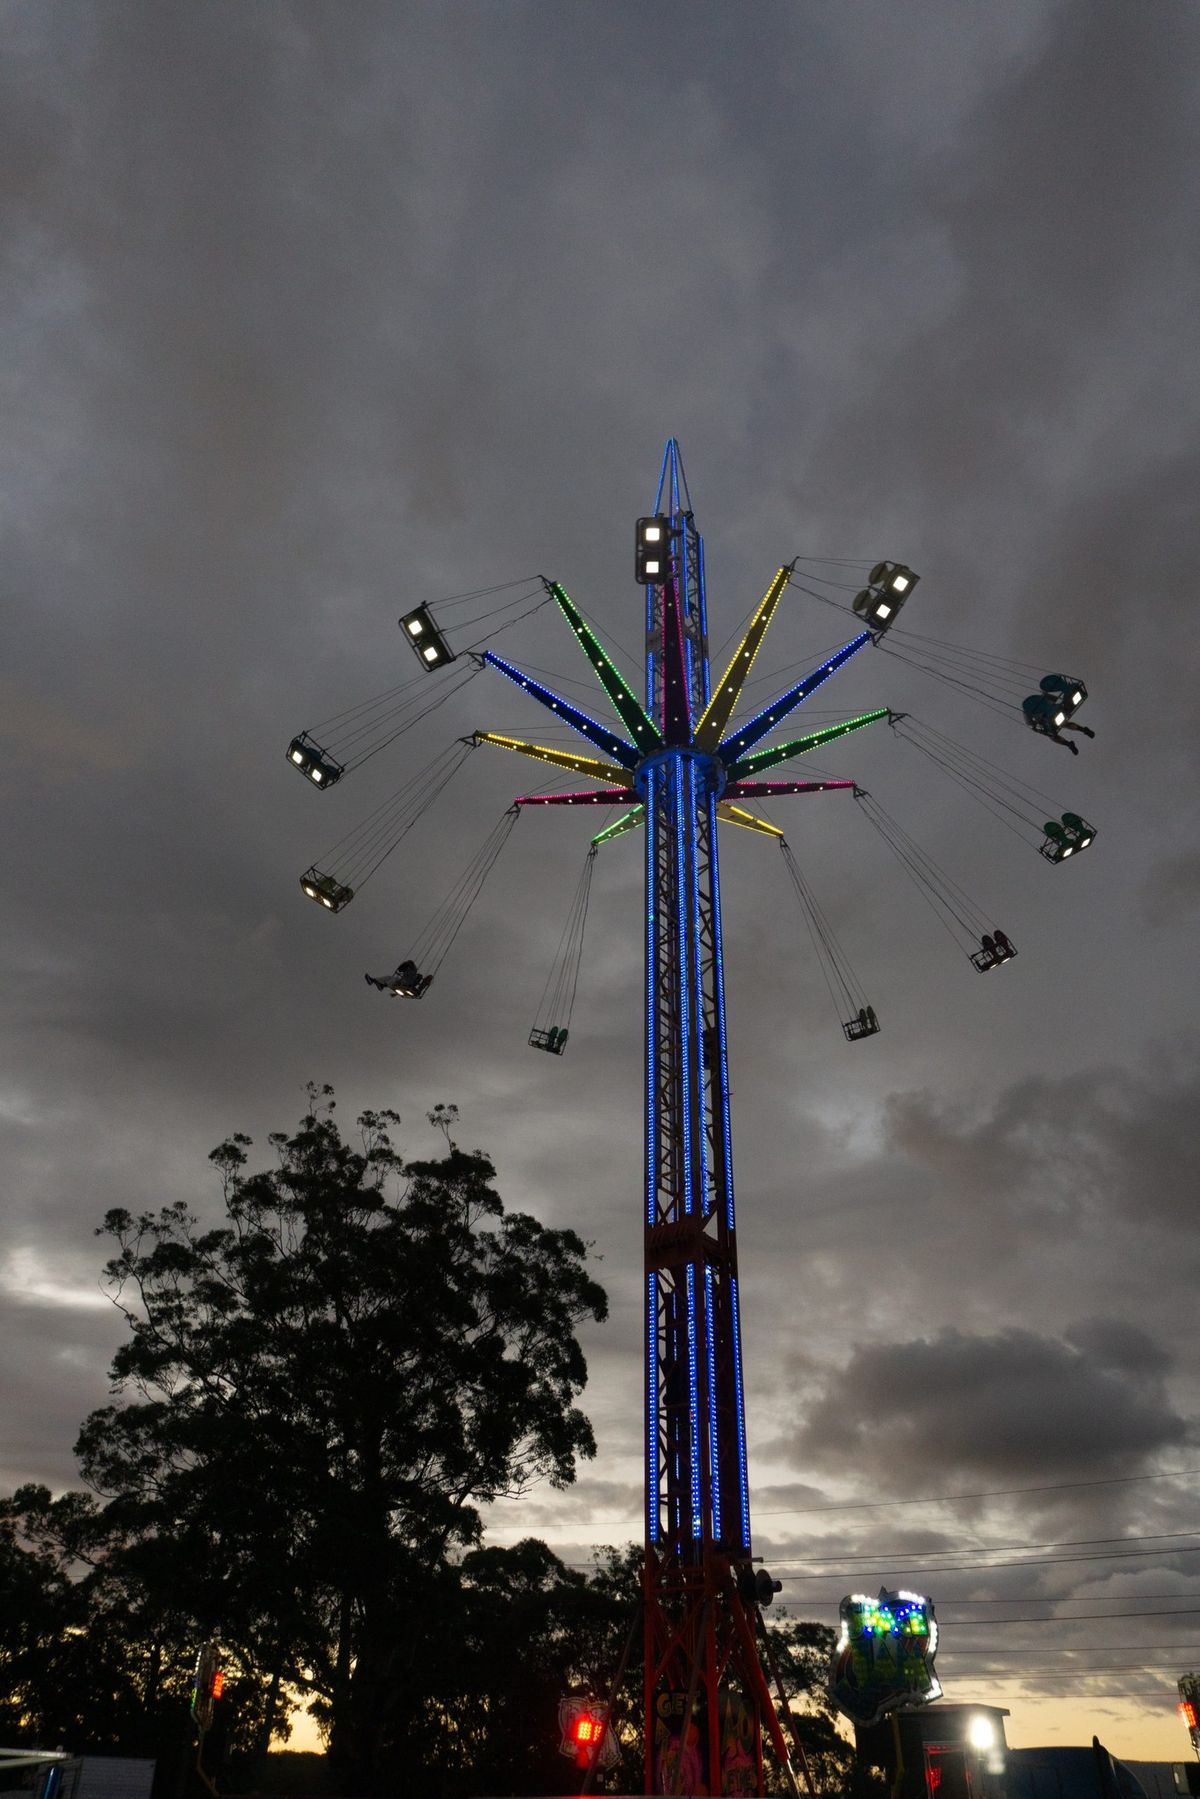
680, 770
697, 1631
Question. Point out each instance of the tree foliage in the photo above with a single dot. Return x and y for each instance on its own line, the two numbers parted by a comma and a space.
316, 1395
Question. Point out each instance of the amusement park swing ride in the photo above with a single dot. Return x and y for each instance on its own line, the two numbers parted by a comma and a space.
675, 767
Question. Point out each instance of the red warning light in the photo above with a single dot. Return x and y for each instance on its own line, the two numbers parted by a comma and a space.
218, 1683
1187, 1711
587, 1729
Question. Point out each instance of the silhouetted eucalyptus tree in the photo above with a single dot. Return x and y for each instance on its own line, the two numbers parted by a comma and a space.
317, 1393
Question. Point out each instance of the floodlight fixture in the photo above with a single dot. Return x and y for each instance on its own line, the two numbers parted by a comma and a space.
888, 586
321, 768
422, 632
652, 550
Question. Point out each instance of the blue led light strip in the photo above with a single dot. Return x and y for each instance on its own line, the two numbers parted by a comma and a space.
685, 612
714, 1444
757, 727
740, 1405
685, 1010
693, 1402
719, 991
695, 1049
703, 616
579, 721
652, 924
653, 1518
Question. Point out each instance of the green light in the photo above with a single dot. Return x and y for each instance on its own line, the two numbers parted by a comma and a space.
783, 752
629, 821
631, 714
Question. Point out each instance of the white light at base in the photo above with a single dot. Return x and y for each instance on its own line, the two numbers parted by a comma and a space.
981, 1732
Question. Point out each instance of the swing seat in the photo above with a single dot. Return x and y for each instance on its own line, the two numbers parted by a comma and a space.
1066, 839
326, 890
414, 986
321, 768
864, 1025
985, 958
552, 1041
1064, 693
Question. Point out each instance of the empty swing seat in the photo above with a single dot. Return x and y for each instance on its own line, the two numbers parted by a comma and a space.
321, 768
326, 890
553, 1041
864, 1024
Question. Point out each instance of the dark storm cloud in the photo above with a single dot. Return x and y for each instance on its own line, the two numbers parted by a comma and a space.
1049, 1152
57, 1347
1014, 1404
309, 311
1171, 890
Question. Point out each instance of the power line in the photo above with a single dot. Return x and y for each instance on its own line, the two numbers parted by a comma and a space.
985, 1548
1178, 1611
1033, 1618
1060, 1486
1108, 1649
890, 1505
1043, 1561
1010, 1599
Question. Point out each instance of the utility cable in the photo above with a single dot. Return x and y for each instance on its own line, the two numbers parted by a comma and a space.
557, 1004
507, 626
945, 898
483, 593
1162, 1536
889, 1505
845, 989
373, 746
435, 941
355, 857
1049, 1561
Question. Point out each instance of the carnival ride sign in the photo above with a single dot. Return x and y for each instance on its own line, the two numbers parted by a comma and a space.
584, 1726
884, 1657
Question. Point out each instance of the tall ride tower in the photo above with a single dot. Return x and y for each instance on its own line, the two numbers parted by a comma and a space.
678, 770
707, 1701
677, 766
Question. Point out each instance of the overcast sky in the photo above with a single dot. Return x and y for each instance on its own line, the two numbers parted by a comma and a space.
312, 312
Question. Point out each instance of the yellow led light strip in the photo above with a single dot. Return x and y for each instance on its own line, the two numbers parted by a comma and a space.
726, 695
590, 766
734, 815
